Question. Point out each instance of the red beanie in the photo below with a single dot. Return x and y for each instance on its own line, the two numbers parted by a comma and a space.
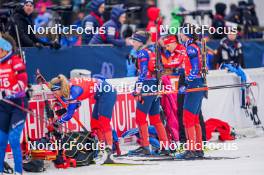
169, 39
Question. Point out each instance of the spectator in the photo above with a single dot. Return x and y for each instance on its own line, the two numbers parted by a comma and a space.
147, 5
77, 5
177, 21
73, 40
233, 15
155, 21
112, 29
253, 20
23, 19
93, 20
41, 3
230, 57
44, 17
218, 19
66, 17
230, 52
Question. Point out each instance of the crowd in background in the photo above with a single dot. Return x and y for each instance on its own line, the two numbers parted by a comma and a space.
121, 21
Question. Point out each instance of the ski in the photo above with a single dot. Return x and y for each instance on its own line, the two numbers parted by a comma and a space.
131, 155
125, 164
170, 158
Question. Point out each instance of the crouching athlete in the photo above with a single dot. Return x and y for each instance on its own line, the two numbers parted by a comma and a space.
75, 90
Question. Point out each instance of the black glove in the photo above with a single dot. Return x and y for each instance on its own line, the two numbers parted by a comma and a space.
61, 111
49, 112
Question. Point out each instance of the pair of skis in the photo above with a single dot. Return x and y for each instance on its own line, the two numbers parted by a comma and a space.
158, 158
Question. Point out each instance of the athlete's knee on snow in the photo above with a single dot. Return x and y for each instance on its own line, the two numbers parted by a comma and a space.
154, 119
188, 119
141, 117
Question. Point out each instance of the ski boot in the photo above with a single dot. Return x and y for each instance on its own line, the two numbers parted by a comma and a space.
109, 158
7, 168
199, 153
140, 151
164, 152
104, 156
188, 155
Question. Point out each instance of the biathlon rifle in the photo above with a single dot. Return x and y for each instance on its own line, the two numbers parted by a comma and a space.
204, 70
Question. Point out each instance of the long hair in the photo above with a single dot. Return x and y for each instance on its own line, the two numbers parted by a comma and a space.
63, 81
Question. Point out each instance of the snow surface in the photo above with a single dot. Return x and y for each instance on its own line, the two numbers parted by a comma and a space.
251, 162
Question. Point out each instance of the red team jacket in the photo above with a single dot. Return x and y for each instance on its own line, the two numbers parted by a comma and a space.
88, 85
177, 59
13, 76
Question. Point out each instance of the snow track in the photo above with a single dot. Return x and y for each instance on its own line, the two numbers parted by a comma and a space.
249, 149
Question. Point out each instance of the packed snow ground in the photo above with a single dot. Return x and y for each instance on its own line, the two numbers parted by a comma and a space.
250, 151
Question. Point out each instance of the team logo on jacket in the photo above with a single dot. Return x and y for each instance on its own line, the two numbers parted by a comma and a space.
111, 31
89, 25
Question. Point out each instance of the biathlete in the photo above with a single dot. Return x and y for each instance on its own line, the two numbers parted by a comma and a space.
192, 100
147, 105
75, 90
13, 84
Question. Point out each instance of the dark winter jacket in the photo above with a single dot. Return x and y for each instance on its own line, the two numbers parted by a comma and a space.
112, 30
229, 52
22, 20
93, 20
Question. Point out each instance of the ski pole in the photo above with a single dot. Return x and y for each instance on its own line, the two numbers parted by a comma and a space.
39, 117
201, 89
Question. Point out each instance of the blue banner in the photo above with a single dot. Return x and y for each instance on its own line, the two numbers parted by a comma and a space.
106, 60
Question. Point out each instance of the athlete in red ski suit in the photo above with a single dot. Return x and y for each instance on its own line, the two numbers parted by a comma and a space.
148, 105
13, 84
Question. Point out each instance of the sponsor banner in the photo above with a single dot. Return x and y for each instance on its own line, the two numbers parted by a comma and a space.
123, 117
